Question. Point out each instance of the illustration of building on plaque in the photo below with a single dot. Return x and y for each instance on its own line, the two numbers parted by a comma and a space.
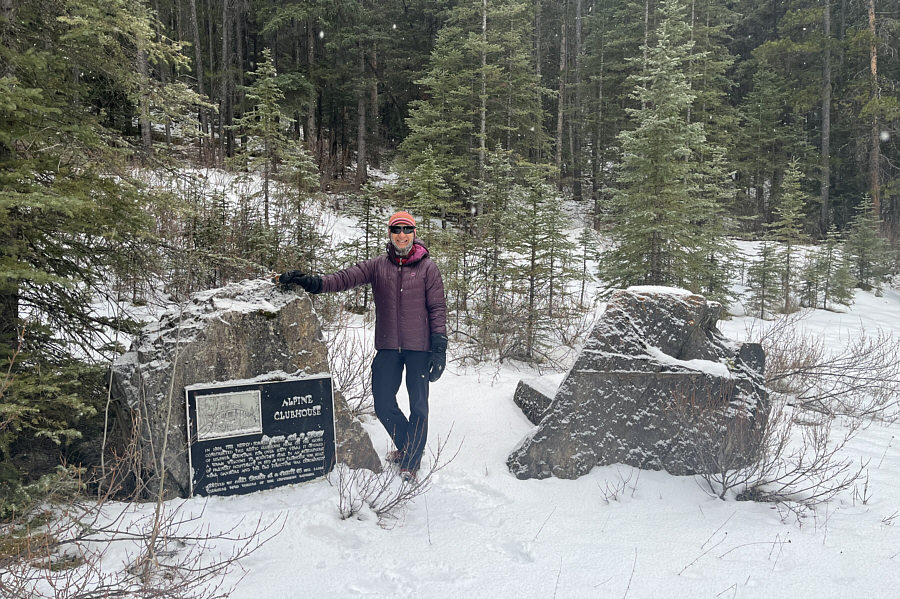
228, 415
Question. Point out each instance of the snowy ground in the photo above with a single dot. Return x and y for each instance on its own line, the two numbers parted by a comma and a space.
617, 532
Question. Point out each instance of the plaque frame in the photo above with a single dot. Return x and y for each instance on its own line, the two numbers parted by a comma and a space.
288, 421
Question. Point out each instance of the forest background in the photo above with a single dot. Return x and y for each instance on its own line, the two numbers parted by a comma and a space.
153, 149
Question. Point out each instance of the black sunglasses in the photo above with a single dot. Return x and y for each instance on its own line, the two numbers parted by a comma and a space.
402, 229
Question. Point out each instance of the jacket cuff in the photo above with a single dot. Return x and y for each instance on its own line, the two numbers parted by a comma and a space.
439, 343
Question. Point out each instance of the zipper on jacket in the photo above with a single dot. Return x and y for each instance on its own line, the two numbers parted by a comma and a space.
399, 295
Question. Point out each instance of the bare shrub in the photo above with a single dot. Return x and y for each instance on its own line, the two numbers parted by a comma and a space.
349, 356
67, 545
77, 548
614, 490
385, 494
791, 458
861, 378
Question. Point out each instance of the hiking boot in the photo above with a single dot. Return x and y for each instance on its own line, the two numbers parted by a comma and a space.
408, 475
396, 456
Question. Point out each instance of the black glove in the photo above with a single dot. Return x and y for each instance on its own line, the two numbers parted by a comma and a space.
438, 359
295, 278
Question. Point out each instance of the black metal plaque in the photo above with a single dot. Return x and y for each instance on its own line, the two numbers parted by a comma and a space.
255, 436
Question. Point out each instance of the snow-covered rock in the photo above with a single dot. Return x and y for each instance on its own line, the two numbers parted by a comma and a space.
247, 331
656, 386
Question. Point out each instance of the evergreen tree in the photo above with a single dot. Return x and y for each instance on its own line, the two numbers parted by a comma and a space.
263, 125
770, 136
369, 210
299, 209
286, 172
661, 221
495, 194
764, 283
545, 252
827, 277
799, 54
709, 69
614, 33
479, 91
429, 196
868, 252
587, 253
72, 215
788, 230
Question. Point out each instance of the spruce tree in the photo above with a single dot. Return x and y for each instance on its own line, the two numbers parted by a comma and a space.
661, 222
299, 206
869, 253
764, 282
429, 195
767, 141
476, 79
369, 211
72, 215
545, 256
495, 194
787, 230
263, 125
828, 281
587, 253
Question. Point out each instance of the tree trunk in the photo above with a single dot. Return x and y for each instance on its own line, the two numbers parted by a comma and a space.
875, 153
198, 69
374, 113
561, 104
646, 44
9, 288
361, 170
239, 62
225, 92
163, 68
482, 128
144, 100
598, 157
825, 218
538, 139
579, 112
211, 35
309, 134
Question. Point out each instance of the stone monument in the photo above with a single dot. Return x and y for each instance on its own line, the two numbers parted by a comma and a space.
656, 386
245, 333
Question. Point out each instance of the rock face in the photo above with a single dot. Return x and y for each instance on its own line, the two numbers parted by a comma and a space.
244, 331
656, 386
531, 401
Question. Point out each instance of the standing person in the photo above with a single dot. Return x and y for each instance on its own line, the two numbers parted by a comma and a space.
410, 332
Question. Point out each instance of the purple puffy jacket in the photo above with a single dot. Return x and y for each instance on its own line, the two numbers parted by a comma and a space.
409, 297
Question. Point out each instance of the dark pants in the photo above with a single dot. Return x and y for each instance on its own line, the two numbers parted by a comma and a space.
409, 434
